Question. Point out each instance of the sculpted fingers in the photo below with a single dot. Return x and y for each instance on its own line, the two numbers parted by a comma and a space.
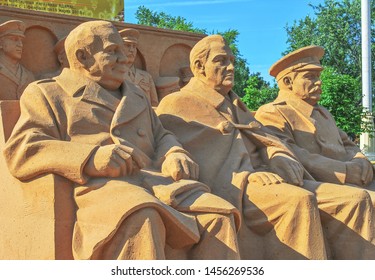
265, 178
124, 160
194, 171
296, 174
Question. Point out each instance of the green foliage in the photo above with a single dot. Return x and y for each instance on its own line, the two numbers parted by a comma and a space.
258, 92
342, 96
337, 28
145, 16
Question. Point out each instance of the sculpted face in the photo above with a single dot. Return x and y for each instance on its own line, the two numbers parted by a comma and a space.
307, 85
219, 68
107, 66
12, 46
130, 49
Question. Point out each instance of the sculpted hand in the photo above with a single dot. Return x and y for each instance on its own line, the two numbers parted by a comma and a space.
359, 171
289, 169
113, 161
265, 178
180, 166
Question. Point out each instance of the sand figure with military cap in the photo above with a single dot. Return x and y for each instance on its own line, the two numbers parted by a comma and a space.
325, 150
141, 78
309, 129
14, 77
298, 217
59, 50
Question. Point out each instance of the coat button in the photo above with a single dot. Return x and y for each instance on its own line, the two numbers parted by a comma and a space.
141, 132
116, 132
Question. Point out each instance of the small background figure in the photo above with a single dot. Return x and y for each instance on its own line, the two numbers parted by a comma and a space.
137, 76
13, 76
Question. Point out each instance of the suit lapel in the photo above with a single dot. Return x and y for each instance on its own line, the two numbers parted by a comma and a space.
131, 105
79, 86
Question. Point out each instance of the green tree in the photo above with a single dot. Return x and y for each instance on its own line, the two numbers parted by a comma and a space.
342, 96
337, 28
258, 92
147, 17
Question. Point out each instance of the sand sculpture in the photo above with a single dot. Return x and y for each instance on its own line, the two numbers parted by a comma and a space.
120, 186
138, 76
256, 172
327, 152
133, 182
13, 76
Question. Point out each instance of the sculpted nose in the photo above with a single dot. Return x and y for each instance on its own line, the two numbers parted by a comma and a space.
230, 66
122, 58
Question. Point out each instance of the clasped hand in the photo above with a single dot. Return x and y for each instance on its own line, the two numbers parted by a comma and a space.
180, 166
288, 168
359, 171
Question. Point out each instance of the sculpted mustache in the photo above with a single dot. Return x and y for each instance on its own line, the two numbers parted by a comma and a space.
316, 89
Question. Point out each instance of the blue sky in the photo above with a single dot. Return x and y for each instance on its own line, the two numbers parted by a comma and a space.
261, 23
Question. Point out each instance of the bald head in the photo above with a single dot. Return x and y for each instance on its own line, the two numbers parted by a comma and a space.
201, 50
84, 36
212, 62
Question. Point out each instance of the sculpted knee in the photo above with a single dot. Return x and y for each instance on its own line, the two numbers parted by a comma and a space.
359, 197
215, 221
302, 198
147, 214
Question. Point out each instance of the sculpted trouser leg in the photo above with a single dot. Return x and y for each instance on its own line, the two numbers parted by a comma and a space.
371, 191
347, 218
218, 238
141, 236
288, 217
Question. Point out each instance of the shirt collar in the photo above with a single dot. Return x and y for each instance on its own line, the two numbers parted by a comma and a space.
302, 106
209, 94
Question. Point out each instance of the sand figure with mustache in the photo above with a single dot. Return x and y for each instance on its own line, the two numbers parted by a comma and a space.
282, 206
310, 130
13, 76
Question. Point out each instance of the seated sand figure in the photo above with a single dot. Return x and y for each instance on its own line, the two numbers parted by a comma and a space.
137, 76
326, 151
13, 76
131, 176
257, 173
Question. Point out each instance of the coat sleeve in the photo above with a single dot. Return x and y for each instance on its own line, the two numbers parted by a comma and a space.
153, 94
37, 147
165, 141
321, 168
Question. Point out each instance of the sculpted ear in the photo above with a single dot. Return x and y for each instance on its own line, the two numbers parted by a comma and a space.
82, 57
288, 83
199, 67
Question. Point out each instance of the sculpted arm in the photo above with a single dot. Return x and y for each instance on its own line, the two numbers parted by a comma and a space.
359, 168
320, 167
175, 161
153, 93
37, 145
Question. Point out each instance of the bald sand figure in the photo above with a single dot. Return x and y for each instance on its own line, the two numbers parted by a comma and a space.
133, 182
243, 163
13, 76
